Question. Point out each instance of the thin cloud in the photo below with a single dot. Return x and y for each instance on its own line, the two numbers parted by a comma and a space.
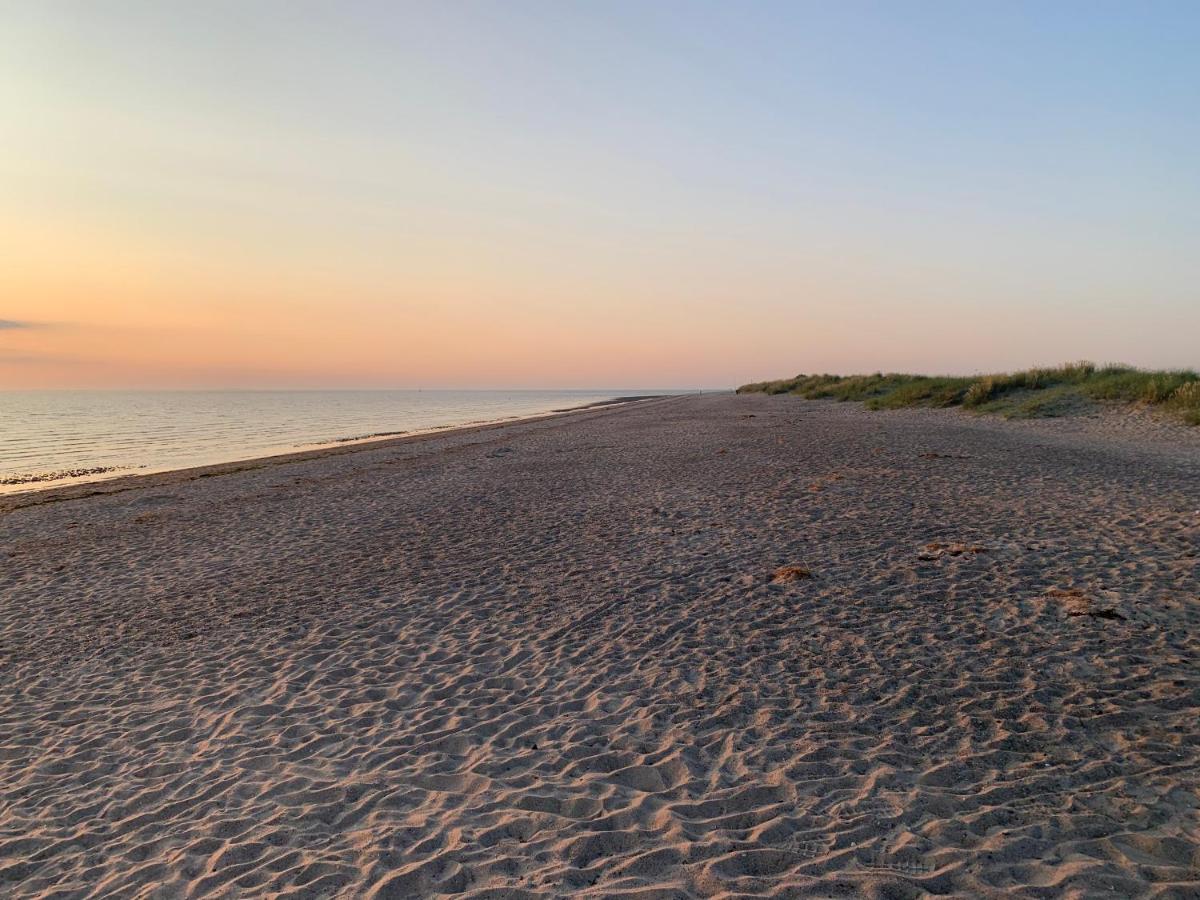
9, 357
31, 325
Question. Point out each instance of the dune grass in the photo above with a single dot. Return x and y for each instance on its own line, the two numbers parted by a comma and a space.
1031, 393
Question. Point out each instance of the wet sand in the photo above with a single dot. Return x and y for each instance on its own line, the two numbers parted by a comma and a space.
559, 658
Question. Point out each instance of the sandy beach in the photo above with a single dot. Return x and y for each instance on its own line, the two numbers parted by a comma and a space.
692, 647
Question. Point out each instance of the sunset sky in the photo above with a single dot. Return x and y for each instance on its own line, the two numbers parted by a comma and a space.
569, 194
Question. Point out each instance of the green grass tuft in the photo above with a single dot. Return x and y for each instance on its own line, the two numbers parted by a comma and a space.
1031, 393
1185, 401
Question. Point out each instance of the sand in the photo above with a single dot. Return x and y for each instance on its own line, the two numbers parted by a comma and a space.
555, 658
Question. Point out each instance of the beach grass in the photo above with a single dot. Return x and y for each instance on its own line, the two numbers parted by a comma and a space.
1031, 393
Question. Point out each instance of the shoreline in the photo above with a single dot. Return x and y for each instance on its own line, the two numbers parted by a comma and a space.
46, 492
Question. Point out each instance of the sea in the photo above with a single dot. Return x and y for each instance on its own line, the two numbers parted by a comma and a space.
50, 438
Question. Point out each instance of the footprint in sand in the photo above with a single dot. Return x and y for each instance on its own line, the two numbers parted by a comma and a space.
938, 549
904, 865
1076, 603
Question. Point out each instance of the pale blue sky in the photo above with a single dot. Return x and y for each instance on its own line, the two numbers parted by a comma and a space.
643, 193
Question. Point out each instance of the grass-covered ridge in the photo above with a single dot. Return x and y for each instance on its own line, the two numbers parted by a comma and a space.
1028, 394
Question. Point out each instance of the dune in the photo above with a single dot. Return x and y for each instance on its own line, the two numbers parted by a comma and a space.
595, 656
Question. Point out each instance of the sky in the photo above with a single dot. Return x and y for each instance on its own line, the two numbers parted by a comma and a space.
602, 194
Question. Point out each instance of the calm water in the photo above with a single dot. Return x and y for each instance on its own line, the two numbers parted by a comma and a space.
48, 434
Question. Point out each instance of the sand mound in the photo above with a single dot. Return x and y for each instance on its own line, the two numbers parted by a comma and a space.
788, 574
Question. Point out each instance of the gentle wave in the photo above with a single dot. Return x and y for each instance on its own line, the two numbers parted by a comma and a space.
50, 437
